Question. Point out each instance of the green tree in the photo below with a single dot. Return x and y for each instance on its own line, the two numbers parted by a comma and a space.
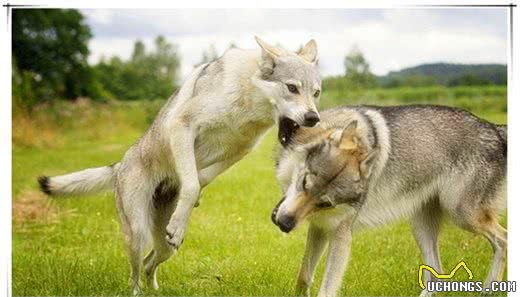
50, 47
139, 52
146, 75
357, 69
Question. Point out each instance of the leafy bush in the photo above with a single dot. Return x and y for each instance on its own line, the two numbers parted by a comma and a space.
146, 75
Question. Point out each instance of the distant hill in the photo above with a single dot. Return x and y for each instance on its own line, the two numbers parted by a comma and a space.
447, 74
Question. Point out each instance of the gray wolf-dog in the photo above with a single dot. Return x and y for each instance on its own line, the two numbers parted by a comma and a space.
368, 165
221, 111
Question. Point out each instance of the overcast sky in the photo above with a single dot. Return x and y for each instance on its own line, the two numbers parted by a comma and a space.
390, 39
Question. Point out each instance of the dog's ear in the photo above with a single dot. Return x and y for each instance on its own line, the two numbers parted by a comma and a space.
309, 52
346, 139
269, 55
268, 49
368, 163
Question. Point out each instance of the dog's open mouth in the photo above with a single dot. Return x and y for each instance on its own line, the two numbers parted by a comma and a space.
286, 129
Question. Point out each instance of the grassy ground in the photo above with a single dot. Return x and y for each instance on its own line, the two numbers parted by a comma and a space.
74, 247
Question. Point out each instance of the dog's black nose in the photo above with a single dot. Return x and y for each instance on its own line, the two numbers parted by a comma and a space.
286, 223
310, 119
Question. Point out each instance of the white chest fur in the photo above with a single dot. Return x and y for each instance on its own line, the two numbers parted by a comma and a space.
233, 133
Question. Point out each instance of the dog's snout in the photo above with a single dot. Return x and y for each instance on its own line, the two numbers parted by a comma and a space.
286, 223
310, 119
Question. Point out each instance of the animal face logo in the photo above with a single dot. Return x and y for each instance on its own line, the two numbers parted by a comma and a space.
423, 267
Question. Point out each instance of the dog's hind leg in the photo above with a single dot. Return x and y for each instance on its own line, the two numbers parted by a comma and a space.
497, 237
161, 252
162, 209
426, 225
476, 212
486, 223
132, 201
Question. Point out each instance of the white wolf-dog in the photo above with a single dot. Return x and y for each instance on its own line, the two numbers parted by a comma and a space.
221, 111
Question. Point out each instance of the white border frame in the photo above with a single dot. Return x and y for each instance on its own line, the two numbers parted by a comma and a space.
5, 102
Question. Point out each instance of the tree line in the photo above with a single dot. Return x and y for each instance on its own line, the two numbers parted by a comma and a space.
358, 75
50, 61
50, 51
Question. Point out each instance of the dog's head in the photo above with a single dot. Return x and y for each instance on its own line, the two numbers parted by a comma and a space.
292, 83
333, 169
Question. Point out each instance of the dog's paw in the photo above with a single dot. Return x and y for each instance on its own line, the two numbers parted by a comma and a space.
151, 281
303, 288
303, 291
150, 274
136, 288
175, 235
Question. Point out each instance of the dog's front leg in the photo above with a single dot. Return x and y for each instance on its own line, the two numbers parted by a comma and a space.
182, 149
316, 241
337, 259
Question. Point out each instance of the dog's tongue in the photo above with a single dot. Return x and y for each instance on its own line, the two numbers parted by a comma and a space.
286, 130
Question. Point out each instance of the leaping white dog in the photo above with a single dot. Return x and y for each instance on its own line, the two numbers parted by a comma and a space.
222, 110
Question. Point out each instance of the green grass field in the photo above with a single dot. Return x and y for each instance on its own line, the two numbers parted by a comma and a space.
73, 246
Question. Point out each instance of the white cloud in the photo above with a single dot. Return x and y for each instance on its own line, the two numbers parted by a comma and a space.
100, 16
390, 39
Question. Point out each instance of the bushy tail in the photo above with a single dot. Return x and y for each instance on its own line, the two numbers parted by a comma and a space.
86, 181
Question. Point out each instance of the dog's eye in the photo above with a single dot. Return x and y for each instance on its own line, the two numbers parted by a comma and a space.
292, 88
317, 93
304, 182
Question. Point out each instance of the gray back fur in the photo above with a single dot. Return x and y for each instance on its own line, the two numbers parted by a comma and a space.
432, 151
